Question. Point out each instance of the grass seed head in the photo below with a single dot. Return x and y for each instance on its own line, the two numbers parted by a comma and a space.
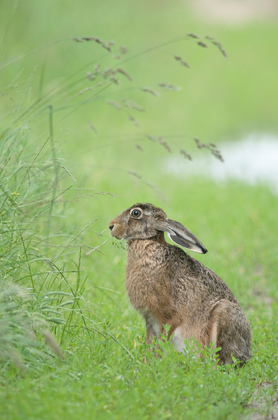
202, 44
151, 91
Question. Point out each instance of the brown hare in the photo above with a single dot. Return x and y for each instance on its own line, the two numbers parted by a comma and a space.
168, 287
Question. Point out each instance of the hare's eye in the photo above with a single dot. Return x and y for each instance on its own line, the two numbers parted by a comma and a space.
136, 213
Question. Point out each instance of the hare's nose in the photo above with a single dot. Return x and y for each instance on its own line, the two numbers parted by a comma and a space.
111, 226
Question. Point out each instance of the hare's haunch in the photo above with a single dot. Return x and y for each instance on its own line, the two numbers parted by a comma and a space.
168, 287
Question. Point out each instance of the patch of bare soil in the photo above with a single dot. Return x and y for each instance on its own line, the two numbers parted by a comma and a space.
236, 11
259, 406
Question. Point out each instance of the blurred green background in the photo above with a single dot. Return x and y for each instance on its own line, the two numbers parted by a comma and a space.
88, 128
220, 99
106, 149
45, 62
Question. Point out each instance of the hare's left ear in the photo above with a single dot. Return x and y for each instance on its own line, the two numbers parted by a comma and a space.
183, 237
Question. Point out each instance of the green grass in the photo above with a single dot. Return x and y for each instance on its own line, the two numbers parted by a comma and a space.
71, 161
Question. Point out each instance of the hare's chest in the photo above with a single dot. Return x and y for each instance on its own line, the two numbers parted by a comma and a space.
148, 292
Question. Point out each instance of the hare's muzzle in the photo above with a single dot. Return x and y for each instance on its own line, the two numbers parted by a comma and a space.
116, 229
113, 228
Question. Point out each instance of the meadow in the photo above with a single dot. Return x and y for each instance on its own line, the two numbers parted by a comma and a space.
94, 98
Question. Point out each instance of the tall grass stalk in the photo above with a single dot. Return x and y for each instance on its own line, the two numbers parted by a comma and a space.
39, 251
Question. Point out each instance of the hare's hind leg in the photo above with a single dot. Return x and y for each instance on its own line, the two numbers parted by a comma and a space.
153, 327
178, 339
230, 330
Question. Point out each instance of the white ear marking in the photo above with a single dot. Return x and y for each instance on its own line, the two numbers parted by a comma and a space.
169, 235
183, 237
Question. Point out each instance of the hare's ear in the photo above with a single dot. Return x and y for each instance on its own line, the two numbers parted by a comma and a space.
183, 237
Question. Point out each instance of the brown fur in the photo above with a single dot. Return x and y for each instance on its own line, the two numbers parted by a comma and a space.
168, 287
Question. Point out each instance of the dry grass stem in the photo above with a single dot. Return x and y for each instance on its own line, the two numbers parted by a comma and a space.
79, 93
90, 76
164, 144
52, 343
105, 45
202, 44
218, 45
168, 86
92, 127
185, 154
115, 105
133, 105
183, 63
191, 35
211, 147
108, 72
139, 147
151, 91
121, 71
151, 138
123, 49
134, 121
114, 80
153, 187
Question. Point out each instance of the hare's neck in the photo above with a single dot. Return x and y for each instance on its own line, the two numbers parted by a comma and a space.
139, 248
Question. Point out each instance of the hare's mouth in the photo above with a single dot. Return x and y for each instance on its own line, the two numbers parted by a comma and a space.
115, 231
115, 236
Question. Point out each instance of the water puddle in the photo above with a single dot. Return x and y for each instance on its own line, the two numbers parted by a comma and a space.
253, 161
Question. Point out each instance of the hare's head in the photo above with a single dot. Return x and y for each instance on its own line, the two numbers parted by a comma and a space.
145, 221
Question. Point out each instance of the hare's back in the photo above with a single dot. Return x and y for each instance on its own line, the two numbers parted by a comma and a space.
191, 277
